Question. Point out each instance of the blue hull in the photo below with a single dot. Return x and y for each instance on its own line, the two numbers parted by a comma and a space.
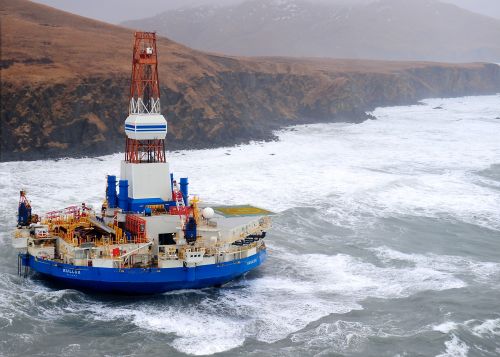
144, 280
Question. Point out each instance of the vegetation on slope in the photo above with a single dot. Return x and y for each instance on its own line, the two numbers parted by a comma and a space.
65, 87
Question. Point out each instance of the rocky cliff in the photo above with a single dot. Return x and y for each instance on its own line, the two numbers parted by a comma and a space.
65, 86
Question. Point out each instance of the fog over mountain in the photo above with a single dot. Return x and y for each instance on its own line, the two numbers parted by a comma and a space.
116, 11
484, 7
383, 29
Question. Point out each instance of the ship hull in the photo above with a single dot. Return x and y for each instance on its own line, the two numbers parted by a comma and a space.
134, 281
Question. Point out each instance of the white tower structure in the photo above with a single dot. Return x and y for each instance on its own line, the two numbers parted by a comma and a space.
145, 166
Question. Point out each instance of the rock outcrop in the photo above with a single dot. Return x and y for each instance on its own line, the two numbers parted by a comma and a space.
65, 88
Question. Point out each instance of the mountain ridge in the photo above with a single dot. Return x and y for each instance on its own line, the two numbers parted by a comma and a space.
383, 29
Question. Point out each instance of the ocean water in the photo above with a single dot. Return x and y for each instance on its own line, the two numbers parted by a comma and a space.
386, 242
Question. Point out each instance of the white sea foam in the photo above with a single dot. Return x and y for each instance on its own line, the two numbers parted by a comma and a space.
197, 332
412, 160
338, 336
350, 276
455, 348
446, 327
480, 328
480, 271
272, 307
489, 327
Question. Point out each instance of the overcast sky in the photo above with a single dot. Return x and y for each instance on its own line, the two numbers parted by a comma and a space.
116, 11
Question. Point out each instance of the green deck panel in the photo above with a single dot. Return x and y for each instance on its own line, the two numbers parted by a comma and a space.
241, 211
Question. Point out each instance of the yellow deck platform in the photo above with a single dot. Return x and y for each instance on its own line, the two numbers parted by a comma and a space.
241, 211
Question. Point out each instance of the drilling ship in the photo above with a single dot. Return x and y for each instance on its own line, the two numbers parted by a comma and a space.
150, 236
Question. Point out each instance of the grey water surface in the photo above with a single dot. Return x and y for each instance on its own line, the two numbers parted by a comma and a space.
386, 242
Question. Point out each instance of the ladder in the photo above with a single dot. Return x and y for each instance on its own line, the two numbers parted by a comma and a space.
179, 203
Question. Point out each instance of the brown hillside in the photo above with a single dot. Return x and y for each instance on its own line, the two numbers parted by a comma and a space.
65, 85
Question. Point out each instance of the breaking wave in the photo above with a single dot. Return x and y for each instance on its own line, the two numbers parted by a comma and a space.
368, 215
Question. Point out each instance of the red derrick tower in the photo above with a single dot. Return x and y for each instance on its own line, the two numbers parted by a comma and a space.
145, 127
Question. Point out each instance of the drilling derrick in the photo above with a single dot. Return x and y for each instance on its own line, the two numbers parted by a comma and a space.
146, 127
150, 236
145, 172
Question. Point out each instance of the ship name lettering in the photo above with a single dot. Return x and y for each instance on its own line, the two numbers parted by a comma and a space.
71, 271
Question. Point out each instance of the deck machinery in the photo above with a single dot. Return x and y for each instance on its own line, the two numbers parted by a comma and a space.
150, 235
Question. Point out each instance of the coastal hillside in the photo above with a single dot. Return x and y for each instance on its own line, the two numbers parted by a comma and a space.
384, 29
65, 85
